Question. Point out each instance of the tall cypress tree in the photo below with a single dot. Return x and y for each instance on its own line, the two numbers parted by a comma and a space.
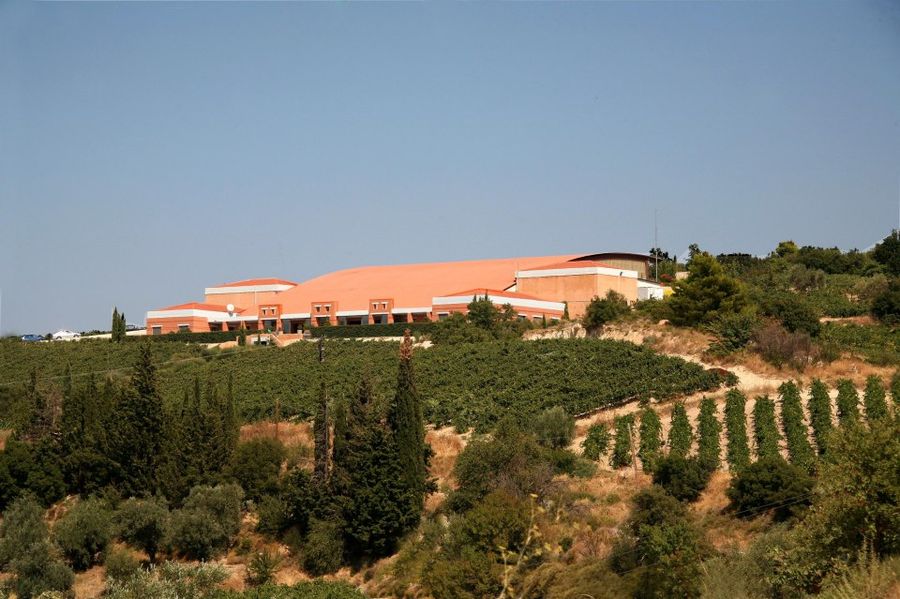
681, 436
738, 448
708, 429
405, 421
651, 439
820, 413
114, 330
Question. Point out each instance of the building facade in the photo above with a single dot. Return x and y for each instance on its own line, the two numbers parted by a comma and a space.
537, 288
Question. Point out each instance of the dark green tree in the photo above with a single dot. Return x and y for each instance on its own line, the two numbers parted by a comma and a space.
601, 311
888, 253
820, 414
706, 294
800, 451
483, 313
875, 399
650, 444
322, 442
847, 403
708, 429
738, 446
765, 429
681, 435
83, 439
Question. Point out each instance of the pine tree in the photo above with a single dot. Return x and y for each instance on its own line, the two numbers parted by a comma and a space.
847, 403
708, 429
651, 439
622, 448
820, 414
681, 436
875, 399
765, 429
795, 432
405, 422
738, 449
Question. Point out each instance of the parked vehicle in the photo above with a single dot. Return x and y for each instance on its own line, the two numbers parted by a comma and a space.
65, 335
32, 338
133, 327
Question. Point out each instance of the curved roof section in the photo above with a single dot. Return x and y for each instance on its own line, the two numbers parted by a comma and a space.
409, 285
199, 306
252, 282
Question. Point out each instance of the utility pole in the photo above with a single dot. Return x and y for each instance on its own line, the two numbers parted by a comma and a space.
656, 244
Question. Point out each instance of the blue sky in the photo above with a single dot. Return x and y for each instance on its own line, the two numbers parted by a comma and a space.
150, 149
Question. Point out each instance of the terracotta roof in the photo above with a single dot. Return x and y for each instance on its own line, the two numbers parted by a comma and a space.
248, 282
199, 306
571, 264
410, 285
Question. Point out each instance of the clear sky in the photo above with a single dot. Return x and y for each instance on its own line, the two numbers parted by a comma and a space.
150, 149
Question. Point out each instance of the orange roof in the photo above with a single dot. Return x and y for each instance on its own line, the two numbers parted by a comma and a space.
248, 282
498, 292
199, 306
410, 285
572, 264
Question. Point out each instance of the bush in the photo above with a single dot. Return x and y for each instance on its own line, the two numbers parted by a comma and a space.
681, 435
167, 581
886, 306
622, 450
732, 332
84, 533
554, 428
120, 565
208, 522
875, 399
272, 512
682, 478
22, 526
601, 311
466, 574
596, 443
820, 413
37, 571
778, 346
262, 568
795, 314
708, 429
765, 429
895, 389
795, 432
143, 524
499, 520
256, 465
323, 552
650, 439
738, 445
847, 403
770, 485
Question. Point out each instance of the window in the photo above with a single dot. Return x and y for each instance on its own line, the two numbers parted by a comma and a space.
328, 308
183, 328
157, 330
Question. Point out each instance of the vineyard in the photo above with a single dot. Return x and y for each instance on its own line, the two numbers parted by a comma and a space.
467, 385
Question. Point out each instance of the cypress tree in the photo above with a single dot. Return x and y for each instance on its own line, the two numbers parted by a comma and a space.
738, 449
622, 449
681, 436
795, 432
405, 422
874, 399
820, 414
765, 429
847, 403
651, 439
708, 428
114, 331
231, 427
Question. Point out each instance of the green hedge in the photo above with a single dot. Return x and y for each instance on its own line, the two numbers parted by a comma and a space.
189, 337
395, 329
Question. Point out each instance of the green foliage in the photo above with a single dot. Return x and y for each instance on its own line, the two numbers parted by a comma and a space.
681, 435
765, 430
737, 451
682, 478
466, 574
895, 390
208, 522
395, 329
820, 414
732, 331
706, 294
868, 578
650, 444
22, 526
120, 564
554, 428
499, 520
596, 442
30, 469
119, 326
262, 567
622, 449
800, 451
323, 552
708, 430
794, 313
314, 589
84, 533
875, 400
780, 347
886, 306
888, 253
256, 466
847, 403
601, 311
143, 524
879, 344
168, 581
770, 485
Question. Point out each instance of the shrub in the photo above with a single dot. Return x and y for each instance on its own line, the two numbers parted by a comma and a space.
874, 399
272, 512
886, 306
37, 571
708, 429
778, 346
167, 581
554, 428
770, 485
22, 526
256, 465
301, 497
622, 450
681, 435
895, 389
596, 443
795, 432
500, 520
207, 523
262, 568
323, 552
682, 478
650, 439
707, 293
738, 446
83, 533
120, 565
601, 311
820, 413
466, 574
143, 524
765, 430
847, 403
732, 332
795, 314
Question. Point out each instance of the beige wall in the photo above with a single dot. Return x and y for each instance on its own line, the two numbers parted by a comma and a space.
577, 290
